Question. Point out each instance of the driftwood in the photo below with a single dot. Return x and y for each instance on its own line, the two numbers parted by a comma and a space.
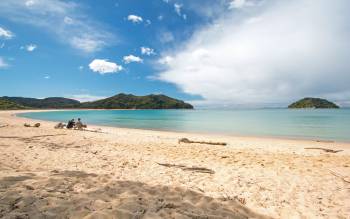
340, 176
186, 140
3, 126
36, 125
185, 168
90, 130
326, 150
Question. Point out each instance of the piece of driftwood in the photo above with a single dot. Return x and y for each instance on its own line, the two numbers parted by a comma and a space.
186, 140
326, 150
36, 125
339, 175
185, 168
3, 126
199, 169
91, 130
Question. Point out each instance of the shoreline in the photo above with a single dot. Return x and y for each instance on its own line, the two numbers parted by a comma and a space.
130, 173
271, 138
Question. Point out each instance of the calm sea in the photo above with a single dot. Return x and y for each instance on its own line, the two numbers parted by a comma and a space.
323, 124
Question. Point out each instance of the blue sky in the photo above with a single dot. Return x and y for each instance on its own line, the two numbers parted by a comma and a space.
209, 52
54, 67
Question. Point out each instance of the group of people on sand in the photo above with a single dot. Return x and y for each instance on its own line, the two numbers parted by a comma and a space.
72, 125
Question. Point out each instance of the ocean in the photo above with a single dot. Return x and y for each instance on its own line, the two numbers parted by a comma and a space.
315, 124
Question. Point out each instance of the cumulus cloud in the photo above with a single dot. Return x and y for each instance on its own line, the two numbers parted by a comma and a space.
274, 52
3, 63
5, 34
66, 20
134, 18
131, 58
147, 51
31, 47
103, 66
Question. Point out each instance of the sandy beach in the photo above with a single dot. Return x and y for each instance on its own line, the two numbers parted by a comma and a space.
129, 173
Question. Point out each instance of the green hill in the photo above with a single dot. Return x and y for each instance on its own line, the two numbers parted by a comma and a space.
10, 105
310, 102
120, 101
129, 101
47, 103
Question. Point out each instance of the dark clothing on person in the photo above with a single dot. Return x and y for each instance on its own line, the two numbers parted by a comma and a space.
70, 124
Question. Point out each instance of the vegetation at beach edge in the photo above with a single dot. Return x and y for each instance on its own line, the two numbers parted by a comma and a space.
120, 101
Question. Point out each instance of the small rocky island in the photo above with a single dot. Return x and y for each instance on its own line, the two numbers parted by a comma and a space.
310, 102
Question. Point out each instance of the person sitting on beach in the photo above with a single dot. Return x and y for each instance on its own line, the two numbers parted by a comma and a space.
79, 125
70, 124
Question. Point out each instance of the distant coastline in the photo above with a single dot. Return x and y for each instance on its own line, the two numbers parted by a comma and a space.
119, 101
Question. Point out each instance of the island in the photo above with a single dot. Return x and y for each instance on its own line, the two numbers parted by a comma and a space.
119, 101
310, 102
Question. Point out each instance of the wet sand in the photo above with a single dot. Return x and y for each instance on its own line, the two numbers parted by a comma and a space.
129, 173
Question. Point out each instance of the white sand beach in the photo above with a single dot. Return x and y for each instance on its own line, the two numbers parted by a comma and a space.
129, 173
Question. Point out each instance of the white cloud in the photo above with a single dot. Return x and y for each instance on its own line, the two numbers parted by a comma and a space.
3, 63
135, 18
148, 22
291, 50
31, 47
206, 9
237, 4
147, 51
6, 34
81, 68
47, 77
160, 17
177, 8
166, 37
85, 97
66, 20
29, 3
166, 60
132, 58
103, 66
87, 44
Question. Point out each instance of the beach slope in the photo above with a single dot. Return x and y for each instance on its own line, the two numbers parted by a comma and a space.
127, 173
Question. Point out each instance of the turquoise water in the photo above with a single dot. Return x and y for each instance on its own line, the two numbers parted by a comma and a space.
325, 124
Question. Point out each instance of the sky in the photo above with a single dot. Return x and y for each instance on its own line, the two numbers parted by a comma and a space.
211, 53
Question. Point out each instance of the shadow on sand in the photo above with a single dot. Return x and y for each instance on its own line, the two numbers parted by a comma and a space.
76, 194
